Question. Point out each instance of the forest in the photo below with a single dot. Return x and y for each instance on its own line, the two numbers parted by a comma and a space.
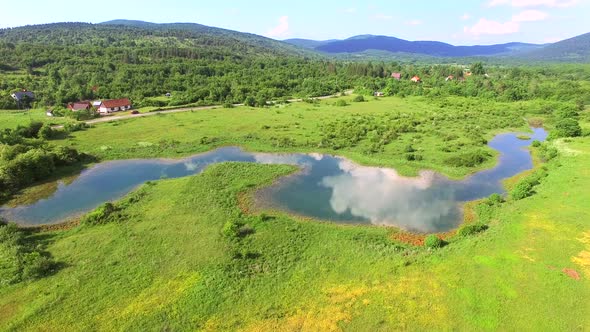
63, 63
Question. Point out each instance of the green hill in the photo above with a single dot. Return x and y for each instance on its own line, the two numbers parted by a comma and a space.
576, 49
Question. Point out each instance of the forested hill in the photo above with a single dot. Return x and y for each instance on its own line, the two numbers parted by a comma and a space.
122, 33
64, 62
576, 49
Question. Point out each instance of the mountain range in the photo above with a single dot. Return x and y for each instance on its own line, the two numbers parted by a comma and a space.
575, 49
365, 43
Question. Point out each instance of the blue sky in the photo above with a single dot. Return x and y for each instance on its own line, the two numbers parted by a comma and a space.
459, 22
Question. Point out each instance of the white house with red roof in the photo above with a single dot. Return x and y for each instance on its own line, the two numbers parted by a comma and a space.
115, 105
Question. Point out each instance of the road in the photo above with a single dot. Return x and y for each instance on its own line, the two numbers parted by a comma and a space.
183, 109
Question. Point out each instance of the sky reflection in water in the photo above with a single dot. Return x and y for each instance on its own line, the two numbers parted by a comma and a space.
328, 188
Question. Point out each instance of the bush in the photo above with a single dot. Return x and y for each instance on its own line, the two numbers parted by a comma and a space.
103, 214
567, 128
231, 229
433, 242
470, 159
46, 132
359, 99
536, 144
20, 260
471, 229
494, 199
526, 187
341, 103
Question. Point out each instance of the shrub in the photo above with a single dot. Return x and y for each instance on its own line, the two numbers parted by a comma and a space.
46, 132
101, 215
567, 128
494, 199
19, 259
433, 242
471, 229
231, 229
341, 103
359, 99
470, 159
536, 144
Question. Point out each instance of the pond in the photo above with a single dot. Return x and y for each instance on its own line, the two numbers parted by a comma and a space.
328, 187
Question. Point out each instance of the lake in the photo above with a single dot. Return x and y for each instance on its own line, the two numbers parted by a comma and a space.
327, 188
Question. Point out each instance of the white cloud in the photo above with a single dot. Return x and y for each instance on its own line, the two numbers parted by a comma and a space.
280, 30
383, 17
349, 10
534, 3
488, 27
530, 16
414, 22
466, 16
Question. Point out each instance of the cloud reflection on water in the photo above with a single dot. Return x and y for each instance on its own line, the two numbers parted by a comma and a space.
421, 204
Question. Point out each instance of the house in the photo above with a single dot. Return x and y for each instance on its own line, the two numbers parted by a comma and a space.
397, 76
79, 105
416, 79
168, 95
450, 78
378, 94
23, 98
49, 113
116, 105
96, 103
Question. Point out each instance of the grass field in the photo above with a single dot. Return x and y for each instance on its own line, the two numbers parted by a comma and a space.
429, 131
175, 261
168, 265
13, 118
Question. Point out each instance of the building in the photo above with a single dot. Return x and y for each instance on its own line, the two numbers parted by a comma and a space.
416, 79
23, 98
378, 94
397, 76
450, 78
79, 106
116, 105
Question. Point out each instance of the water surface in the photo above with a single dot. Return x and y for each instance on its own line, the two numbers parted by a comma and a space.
327, 188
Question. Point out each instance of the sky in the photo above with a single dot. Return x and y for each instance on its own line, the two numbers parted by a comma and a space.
459, 22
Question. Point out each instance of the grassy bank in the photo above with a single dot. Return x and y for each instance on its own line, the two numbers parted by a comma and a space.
174, 260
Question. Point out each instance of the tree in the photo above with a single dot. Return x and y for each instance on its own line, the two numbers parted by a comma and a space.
477, 69
250, 101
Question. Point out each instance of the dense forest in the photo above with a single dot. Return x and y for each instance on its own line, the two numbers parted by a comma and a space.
74, 61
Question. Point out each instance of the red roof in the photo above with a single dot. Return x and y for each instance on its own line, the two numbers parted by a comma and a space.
396, 75
79, 105
415, 78
116, 103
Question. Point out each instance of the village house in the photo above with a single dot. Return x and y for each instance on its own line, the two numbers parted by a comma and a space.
450, 78
378, 94
23, 98
397, 76
79, 105
416, 79
116, 105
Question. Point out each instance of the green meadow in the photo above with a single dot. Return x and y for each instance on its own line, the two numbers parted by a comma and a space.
408, 134
185, 254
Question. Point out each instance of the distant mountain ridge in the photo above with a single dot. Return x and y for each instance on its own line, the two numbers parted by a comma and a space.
576, 49
362, 43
